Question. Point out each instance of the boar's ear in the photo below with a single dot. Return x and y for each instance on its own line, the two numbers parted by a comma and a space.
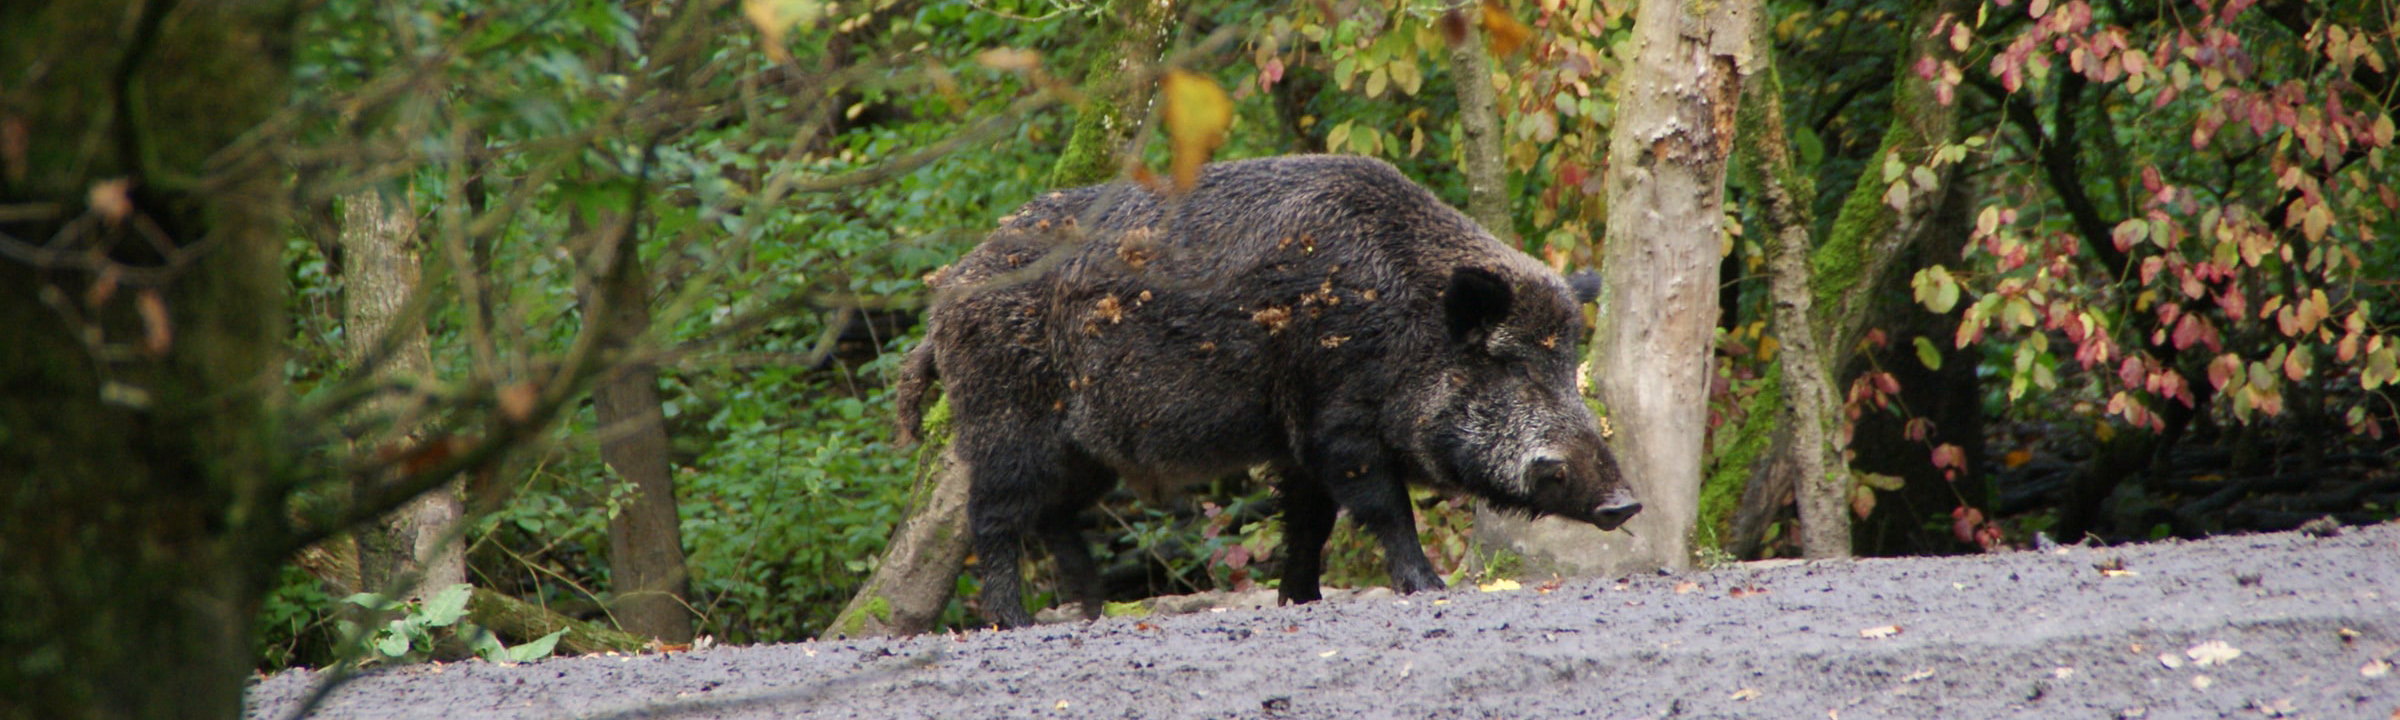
1586, 285
1476, 302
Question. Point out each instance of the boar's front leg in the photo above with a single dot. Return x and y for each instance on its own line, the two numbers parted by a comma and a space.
1360, 476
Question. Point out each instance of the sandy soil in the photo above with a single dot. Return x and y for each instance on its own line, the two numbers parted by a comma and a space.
2280, 625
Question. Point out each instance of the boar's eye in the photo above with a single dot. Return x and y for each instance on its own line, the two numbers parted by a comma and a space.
1476, 302
1547, 472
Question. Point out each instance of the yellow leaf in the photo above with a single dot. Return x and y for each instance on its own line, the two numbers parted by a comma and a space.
1503, 30
1011, 59
1198, 114
1879, 632
775, 17
1500, 585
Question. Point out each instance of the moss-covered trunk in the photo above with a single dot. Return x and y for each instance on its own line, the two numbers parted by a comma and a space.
1811, 404
142, 301
1854, 267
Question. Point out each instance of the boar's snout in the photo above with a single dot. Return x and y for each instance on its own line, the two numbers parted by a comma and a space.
1618, 508
1552, 477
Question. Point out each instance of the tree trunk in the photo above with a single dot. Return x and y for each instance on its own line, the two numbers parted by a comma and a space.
645, 533
142, 513
1479, 127
413, 551
1651, 352
919, 570
912, 585
1811, 405
1106, 124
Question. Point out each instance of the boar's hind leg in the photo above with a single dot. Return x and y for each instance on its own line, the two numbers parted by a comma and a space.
1020, 488
1358, 475
1307, 521
1061, 528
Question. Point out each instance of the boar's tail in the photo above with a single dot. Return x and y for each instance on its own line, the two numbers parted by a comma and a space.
916, 372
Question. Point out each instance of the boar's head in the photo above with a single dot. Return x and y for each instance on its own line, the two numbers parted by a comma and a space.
1505, 420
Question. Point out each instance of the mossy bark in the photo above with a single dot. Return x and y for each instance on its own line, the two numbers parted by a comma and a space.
1810, 404
137, 472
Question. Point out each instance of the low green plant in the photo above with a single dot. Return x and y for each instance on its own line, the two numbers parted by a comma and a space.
411, 631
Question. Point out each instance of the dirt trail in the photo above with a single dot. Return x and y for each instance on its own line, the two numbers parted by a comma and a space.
2316, 623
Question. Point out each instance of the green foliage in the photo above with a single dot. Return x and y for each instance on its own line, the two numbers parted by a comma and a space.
295, 621
413, 631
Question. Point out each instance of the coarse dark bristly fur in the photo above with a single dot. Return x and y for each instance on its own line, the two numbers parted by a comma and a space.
1319, 314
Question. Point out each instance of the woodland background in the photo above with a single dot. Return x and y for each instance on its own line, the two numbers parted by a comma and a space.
624, 283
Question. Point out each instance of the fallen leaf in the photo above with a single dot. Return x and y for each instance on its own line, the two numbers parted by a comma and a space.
2062, 673
1062, 704
1500, 585
2213, 652
2201, 682
1879, 632
1553, 584
1329, 653
1686, 587
1744, 694
1920, 674
2375, 669
2171, 660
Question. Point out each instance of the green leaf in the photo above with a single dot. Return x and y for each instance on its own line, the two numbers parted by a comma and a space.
446, 607
395, 643
1879, 481
1928, 354
536, 650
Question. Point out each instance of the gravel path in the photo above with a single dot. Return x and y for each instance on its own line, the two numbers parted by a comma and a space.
2277, 625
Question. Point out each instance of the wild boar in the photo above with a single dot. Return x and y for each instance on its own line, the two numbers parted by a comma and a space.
1320, 314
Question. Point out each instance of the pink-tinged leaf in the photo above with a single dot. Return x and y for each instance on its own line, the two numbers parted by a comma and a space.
2347, 349
2132, 371
2187, 332
1887, 384
1960, 37
1270, 74
2150, 265
2288, 320
2296, 364
1917, 429
2166, 94
1950, 456
2038, 9
2232, 300
2224, 369
2151, 181
1926, 67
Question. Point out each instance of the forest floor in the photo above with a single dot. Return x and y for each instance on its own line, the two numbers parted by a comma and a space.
2271, 625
